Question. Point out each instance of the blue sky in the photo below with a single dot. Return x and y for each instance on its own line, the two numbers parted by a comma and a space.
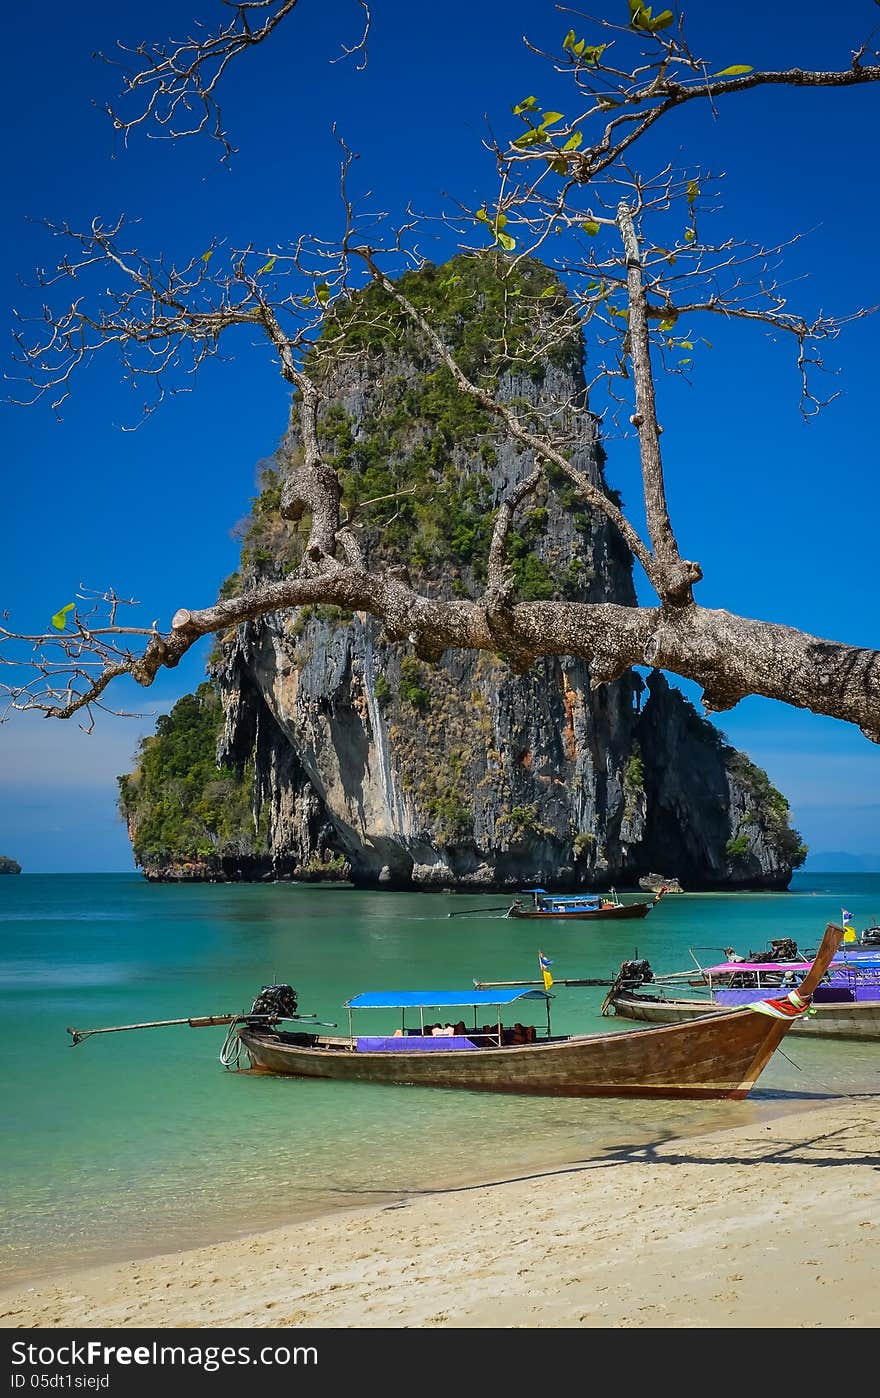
782, 515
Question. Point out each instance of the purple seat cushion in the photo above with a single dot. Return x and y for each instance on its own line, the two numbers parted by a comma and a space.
413, 1042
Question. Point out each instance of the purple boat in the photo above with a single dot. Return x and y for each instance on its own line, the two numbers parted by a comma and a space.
846, 1005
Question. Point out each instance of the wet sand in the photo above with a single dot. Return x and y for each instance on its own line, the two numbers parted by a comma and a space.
775, 1224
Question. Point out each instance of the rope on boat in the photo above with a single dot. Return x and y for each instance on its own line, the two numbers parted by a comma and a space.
231, 1050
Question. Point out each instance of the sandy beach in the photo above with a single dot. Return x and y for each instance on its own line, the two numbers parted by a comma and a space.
772, 1225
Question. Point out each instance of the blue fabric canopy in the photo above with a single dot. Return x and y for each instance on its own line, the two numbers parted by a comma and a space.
439, 999
573, 898
565, 897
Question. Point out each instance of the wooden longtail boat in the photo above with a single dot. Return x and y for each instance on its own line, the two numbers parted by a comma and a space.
581, 906
829, 1020
717, 1056
845, 1006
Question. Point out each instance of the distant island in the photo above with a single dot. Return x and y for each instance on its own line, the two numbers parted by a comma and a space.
842, 862
9, 866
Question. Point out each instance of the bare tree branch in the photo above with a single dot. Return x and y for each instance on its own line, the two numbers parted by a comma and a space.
641, 94
729, 655
172, 87
164, 318
678, 576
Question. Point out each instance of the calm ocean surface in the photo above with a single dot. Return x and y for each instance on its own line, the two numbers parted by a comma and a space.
140, 1143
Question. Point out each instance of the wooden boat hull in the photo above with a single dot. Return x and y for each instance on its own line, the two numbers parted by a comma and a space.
622, 912
852, 1020
719, 1056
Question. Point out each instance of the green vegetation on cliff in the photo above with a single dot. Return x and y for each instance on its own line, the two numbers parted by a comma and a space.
769, 810
415, 470
494, 314
180, 807
9, 866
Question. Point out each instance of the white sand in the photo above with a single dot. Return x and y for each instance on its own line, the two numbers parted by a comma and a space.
772, 1225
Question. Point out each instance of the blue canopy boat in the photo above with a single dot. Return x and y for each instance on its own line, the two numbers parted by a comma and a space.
716, 1056
579, 905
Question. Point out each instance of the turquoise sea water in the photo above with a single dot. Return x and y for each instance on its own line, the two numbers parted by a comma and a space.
139, 1143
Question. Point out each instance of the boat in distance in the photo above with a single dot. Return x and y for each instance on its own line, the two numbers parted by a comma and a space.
712, 1056
582, 906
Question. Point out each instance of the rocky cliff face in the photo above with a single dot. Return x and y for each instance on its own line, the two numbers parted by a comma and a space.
372, 762
499, 781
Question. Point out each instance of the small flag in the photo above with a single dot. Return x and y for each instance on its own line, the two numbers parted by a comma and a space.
545, 963
849, 932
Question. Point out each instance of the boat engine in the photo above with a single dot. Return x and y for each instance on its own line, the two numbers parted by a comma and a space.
632, 974
780, 949
276, 1001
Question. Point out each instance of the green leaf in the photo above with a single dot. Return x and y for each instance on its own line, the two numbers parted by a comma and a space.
501, 221
685, 361
548, 291
59, 620
693, 191
641, 17
558, 167
737, 69
595, 51
529, 138
528, 104
506, 241
689, 235
452, 280
574, 44
550, 119
307, 300
322, 291
668, 323
591, 227
267, 267
574, 141
686, 344
206, 256
481, 215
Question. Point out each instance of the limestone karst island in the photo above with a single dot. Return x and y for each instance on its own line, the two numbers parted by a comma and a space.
342, 756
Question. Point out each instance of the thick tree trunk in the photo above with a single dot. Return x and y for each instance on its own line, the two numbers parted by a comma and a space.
730, 656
